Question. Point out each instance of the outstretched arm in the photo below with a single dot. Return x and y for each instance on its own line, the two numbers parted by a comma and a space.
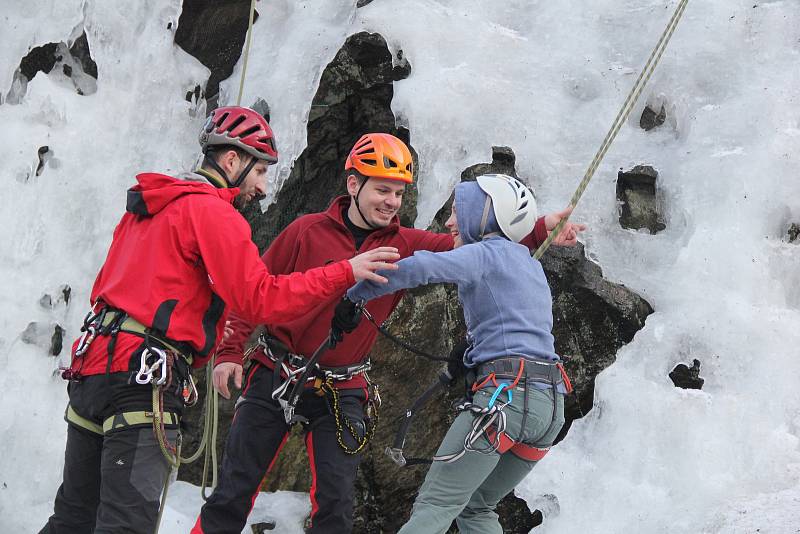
459, 266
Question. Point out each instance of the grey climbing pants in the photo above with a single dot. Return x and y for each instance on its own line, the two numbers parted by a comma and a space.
469, 488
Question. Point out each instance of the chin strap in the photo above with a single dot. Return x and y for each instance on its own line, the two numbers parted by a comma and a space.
358, 207
484, 219
227, 181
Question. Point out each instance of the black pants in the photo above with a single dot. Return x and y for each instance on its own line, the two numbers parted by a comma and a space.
257, 434
112, 482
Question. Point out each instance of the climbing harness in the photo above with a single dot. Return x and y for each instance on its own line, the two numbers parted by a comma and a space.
490, 421
622, 116
293, 372
157, 361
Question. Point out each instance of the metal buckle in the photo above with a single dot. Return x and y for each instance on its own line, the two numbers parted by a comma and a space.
146, 374
396, 455
85, 340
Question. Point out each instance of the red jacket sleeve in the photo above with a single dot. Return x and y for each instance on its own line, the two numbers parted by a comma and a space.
534, 239
280, 258
240, 278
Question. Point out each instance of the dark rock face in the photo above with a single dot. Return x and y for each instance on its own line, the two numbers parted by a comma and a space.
687, 377
39, 59
354, 98
214, 32
794, 233
636, 192
651, 119
72, 61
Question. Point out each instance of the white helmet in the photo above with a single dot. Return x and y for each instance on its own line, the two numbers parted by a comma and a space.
514, 205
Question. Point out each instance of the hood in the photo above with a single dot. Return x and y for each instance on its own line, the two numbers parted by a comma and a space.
470, 200
155, 191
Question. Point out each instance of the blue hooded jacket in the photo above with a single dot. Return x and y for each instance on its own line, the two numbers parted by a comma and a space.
503, 291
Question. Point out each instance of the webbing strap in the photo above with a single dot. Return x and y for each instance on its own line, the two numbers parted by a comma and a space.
521, 450
126, 419
116, 421
132, 326
71, 416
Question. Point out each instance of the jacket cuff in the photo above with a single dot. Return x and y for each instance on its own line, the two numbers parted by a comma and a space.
228, 357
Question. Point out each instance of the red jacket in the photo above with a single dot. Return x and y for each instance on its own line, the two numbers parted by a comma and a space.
181, 258
319, 239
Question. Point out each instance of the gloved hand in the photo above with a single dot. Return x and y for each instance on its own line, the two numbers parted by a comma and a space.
455, 367
346, 318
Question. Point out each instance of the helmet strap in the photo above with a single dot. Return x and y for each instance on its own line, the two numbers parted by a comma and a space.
214, 165
245, 172
487, 205
358, 206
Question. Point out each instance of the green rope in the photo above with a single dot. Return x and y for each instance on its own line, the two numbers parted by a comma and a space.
246, 50
622, 116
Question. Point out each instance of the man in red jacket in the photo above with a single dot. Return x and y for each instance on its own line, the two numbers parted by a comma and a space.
336, 419
181, 258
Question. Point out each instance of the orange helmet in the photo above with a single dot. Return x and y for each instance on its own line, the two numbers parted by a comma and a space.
380, 155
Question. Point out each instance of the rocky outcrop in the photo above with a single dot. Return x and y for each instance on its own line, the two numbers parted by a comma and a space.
214, 32
651, 118
687, 377
354, 98
636, 194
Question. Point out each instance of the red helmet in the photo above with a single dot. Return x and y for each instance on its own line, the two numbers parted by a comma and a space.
242, 128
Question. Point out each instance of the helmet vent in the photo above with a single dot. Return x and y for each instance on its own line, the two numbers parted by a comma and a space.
388, 163
236, 122
370, 162
251, 130
523, 205
518, 218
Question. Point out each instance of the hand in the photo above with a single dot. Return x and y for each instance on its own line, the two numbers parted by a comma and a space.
228, 331
222, 374
365, 264
346, 317
568, 237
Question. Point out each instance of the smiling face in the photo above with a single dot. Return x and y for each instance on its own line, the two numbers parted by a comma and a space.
379, 201
452, 225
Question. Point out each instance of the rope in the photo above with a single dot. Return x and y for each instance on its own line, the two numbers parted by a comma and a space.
622, 116
246, 50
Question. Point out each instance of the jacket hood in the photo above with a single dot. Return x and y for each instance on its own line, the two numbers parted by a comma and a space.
155, 191
470, 200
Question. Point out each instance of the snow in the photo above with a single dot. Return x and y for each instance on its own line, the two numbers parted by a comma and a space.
545, 78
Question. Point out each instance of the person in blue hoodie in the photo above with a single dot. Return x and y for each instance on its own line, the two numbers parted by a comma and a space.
517, 407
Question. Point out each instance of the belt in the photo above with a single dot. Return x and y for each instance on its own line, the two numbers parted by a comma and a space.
129, 325
534, 371
279, 354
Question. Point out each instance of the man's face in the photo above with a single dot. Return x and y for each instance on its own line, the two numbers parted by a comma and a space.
379, 200
255, 183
